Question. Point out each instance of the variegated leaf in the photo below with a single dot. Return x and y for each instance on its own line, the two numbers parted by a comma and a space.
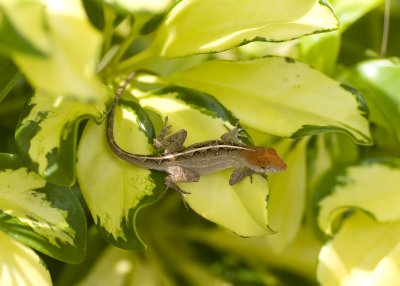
113, 189
349, 189
205, 26
363, 252
43, 216
281, 96
47, 134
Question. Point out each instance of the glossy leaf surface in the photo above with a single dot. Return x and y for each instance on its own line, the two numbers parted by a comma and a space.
281, 97
204, 26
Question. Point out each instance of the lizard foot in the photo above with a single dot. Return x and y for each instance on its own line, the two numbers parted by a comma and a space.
239, 174
233, 134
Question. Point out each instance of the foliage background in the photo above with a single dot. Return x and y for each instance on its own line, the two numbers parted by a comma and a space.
334, 210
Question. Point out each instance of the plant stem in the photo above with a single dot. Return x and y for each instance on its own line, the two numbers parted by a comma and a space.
385, 36
127, 64
109, 18
133, 34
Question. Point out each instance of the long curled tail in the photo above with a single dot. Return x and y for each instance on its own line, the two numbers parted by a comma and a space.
110, 119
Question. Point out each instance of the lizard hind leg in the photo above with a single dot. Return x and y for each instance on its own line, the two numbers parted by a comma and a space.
169, 143
180, 174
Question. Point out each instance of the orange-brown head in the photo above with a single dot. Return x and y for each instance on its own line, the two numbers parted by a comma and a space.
265, 158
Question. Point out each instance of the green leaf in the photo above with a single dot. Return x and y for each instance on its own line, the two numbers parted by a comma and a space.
43, 216
300, 257
288, 195
377, 79
20, 265
63, 68
22, 29
9, 75
280, 96
321, 50
241, 208
363, 252
114, 190
70, 274
95, 12
179, 102
327, 152
205, 26
327, 155
137, 6
349, 12
47, 134
349, 189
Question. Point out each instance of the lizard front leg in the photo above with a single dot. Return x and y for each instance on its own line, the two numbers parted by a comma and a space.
239, 174
169, 143
232, 135
180, 174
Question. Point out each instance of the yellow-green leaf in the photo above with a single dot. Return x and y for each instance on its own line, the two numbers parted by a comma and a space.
22, 28
68, 47
20, 265
241, 208
363, 252
113, 189
192, 110
280, 96
41, 215
379, 195
47, 134
287, 198
204, 26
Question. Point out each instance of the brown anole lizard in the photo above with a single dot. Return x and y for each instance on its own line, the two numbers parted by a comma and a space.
187, 164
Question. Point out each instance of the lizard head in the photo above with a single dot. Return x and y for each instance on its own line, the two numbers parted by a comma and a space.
266, 159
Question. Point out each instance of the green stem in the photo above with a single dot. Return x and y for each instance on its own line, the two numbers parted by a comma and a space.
385, 35
109, 18
126, 65
133, 34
